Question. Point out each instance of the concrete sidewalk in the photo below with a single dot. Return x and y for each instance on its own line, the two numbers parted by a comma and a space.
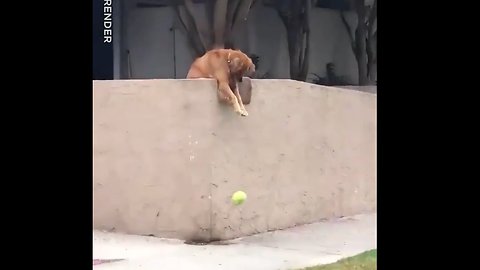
302, 246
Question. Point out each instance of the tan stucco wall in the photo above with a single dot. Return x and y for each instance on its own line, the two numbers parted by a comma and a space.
167, 157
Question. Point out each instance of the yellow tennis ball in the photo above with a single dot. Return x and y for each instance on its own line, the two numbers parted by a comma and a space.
239, 197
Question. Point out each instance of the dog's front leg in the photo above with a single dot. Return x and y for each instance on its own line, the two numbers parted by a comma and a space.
239, 98
225, 91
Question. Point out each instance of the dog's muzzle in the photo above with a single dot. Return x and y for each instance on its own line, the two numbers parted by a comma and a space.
250, 72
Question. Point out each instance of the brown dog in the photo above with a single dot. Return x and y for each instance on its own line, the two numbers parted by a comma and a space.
227, 67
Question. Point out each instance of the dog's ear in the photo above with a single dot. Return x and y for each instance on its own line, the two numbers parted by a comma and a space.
236, 65
251, 68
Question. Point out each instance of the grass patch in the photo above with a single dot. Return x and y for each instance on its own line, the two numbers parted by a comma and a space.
363, 261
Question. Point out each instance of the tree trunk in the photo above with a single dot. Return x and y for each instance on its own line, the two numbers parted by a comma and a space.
294, 45
232, 8
295, 15
219, 23
188, 24
360, 43
202, 32
237, 13
306, 51
222, 17
371, 44
371, 60
363, 41
372, 73
361, 55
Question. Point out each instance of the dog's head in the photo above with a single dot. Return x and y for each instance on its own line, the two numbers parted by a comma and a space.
240, 64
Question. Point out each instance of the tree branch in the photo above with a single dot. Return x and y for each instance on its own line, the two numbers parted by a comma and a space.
372, 18
242, 12
306, 57
231, 9
360, 6
284, 19
349, 31
306, 26
189, 7
188, 26
231, 13
371, 50
373, 13
219, 22
284, 11
209, 11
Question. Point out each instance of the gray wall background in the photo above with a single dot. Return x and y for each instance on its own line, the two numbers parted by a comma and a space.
145, 32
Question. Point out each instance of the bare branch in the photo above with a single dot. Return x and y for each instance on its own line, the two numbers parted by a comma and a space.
306, 20
283, 11
180, 19
187, 24
372, 18
371, 39
242, 12
360, 7
190, 11
349, 30
306, 25
374, 45
306, 56
373, 13
366, 12
219, 22
232, 9
284, 19
209, 11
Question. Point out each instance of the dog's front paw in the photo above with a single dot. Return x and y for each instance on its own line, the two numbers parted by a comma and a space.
239, 111
244, 113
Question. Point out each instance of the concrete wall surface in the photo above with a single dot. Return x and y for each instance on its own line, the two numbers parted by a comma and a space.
168, 156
